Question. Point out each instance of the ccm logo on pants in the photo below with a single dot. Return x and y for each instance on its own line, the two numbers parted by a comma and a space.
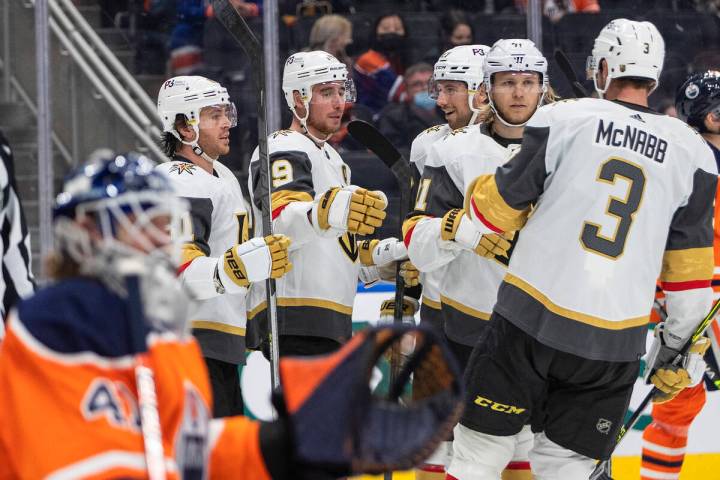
498, 407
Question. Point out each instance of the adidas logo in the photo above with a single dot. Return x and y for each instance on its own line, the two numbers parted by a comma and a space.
637, 117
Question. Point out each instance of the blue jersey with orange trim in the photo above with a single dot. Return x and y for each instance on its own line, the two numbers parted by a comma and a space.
69, 399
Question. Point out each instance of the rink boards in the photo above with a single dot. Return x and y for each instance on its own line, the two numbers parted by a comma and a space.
702, 463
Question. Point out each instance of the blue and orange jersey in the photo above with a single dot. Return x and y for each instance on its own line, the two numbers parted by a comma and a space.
69, 400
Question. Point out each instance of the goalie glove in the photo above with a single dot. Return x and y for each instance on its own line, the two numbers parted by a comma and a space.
338, 427
458, 228
669, 374
382, 252
348, 209
253, 261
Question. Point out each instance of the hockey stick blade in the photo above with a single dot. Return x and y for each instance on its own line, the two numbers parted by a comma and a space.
602, 468
376, 142
564, 63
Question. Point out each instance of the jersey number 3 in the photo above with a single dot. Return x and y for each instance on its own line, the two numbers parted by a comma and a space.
622, 209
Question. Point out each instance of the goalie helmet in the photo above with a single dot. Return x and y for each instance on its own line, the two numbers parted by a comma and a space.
462, 64
631, 49
515, 55
303, 70
122, 194
698, 96
187, 96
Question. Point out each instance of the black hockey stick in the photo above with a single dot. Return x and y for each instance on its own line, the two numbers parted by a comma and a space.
376, 142
243, 35
564, 63
602, 470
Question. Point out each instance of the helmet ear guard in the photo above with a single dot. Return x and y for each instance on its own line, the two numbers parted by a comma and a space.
463, 63
515, 55
304, 70
698, 96
630, 49
188, 96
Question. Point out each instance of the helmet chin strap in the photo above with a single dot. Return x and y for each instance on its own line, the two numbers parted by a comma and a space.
601, 91
303, 123
476, 111
195, 146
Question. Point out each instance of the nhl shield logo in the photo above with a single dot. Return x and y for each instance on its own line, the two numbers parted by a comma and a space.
603, 426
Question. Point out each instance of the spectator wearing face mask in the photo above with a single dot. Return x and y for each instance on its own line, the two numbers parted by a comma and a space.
401, 122
378, 72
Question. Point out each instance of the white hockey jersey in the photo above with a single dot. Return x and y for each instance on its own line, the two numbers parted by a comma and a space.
430, 302
622, 196
316, 297
469, 284
219, 219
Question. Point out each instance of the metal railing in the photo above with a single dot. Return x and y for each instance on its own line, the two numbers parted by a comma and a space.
107, 75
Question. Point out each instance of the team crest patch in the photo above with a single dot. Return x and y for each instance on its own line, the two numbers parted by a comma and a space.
183, 167
457, 131
434, 128
603, 426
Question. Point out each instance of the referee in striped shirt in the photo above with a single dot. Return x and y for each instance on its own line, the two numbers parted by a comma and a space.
16, 278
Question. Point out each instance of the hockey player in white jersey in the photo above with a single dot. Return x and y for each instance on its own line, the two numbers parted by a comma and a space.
620, 196
442, 238
316, 205
456, 86
221, 260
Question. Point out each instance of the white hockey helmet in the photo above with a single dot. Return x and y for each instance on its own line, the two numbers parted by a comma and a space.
303, 70
515, 55
631, 49
463, 64
188, 95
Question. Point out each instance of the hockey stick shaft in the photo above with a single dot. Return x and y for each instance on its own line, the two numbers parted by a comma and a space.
699, 331
145, 383
243, 35
566, 67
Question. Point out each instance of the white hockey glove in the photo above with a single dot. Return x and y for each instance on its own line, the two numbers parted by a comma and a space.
348, 209
669, 376
387, 311
253, 261
382, 252
458, 228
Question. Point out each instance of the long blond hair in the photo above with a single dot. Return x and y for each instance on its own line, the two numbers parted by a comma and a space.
487, 114
326, 28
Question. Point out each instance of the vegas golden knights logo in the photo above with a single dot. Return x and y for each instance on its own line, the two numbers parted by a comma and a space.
348, 243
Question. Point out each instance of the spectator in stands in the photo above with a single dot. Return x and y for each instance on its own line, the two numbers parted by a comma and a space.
402, 122
186, 41
556, 9
332, 34
378, 72
456, 30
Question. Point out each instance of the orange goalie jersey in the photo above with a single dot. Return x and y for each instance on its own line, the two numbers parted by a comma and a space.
69, 404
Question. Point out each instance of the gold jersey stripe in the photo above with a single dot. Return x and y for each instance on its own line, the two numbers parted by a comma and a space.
190, 252
687, 265
431, 303
464, 308
492, 205
252, 313
571, 314
281, 198
219, 327
314, 302
410, 223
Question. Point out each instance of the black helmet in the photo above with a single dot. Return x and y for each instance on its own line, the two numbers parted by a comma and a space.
697, 96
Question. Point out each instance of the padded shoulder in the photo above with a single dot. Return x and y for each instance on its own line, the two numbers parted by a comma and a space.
80, 315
